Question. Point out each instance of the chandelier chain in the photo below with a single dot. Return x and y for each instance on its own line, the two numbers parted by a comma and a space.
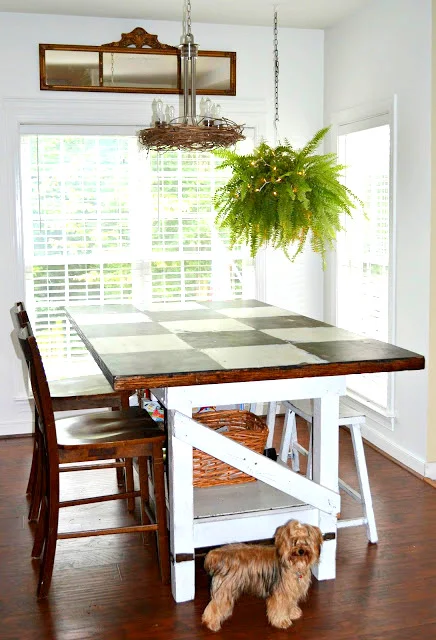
188, 16
276, 76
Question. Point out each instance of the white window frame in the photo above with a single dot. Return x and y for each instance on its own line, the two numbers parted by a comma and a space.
348, 121
96, 113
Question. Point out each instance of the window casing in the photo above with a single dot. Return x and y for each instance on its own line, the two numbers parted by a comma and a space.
365, 249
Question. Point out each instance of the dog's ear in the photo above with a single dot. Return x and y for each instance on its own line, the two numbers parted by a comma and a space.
316, 536
281, 539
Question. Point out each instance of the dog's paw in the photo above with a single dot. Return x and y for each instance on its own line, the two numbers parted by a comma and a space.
211, 620
295, 613
280, 622
213, 625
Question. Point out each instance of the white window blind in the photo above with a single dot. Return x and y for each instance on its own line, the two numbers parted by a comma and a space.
105, 223
364, 249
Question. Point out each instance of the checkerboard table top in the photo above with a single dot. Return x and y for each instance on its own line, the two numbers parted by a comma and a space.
176, 344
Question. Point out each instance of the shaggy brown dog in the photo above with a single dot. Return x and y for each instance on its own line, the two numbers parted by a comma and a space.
280, 573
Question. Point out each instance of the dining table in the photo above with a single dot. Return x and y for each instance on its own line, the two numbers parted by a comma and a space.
218, 353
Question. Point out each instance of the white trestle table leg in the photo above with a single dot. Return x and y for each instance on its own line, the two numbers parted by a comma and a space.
181, 503
325, 472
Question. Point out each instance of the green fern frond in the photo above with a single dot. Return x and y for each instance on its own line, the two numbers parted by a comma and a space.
280, 196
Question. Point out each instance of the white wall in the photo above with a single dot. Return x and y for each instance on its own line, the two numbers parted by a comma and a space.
383, 50
301, 96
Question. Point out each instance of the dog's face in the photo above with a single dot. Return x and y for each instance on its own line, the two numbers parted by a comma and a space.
298, 544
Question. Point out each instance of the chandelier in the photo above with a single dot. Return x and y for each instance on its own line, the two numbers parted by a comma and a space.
189, 131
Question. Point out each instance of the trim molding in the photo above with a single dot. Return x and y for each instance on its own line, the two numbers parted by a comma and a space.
15, 428
23, 422
430, 470
398, 453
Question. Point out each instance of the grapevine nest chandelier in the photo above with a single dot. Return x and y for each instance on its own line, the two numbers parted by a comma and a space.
189, 131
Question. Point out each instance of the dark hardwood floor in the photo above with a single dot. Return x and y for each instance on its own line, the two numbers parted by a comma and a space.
109, 587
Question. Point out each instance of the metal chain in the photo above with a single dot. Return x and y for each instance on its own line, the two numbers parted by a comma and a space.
112, 68
188, 16
276, 78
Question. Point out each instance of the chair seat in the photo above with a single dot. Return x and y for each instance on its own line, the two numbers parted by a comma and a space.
81, 386
98, 429
86, 392
347, 415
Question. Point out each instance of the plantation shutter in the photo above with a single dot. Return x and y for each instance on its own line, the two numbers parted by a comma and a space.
189, 256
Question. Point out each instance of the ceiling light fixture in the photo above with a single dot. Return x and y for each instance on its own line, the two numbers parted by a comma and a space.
189, 131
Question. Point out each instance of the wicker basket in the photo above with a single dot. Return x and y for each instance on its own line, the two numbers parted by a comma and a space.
243, 427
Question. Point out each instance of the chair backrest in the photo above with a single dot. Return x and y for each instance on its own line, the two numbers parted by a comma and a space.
22, 322
41, 395
21, 319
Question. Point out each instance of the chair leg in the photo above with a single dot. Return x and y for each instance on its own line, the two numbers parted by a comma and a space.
145, 496
310, 452
125, 403
33, 469
130, 485
37, 492
41, 531
270, 421
121, 479
161, 510
295, 454
287, 439
365, 490
51, 534
34, 466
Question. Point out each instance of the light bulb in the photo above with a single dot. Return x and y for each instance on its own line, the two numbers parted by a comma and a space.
208, 109
170, 113
159, 112
202, 107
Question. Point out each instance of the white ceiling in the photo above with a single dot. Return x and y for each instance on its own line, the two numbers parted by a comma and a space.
313, 14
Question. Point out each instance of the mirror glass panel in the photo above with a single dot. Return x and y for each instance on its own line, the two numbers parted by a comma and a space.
213, 73
140, 70
72, 68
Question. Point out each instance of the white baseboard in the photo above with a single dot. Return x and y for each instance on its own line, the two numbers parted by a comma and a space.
394, 450
17, 428
21, 420
430, 470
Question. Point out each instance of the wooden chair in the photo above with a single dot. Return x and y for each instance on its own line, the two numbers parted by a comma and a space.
352, 420
85, 392
87, 438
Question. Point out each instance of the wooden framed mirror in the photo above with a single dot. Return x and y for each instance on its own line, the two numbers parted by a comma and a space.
138, 63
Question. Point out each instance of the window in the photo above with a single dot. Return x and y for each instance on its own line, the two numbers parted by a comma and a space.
106, 223
364, 249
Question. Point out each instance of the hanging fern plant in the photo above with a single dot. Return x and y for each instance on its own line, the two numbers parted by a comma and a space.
278, 195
